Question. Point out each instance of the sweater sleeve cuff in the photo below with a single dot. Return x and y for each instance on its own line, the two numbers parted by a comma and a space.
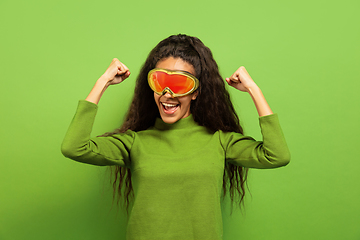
269, 117
83, 104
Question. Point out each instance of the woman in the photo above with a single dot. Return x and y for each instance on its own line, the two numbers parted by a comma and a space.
181, 147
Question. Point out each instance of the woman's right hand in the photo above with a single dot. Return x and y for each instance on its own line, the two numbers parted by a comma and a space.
116, 72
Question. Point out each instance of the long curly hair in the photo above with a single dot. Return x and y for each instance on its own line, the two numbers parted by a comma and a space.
219, 113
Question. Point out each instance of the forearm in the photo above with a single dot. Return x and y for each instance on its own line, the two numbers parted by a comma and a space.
101, 151
76, 140
99, 88
260, 102
244, 151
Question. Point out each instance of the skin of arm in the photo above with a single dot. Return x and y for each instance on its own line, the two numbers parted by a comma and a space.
242, 81
114, 74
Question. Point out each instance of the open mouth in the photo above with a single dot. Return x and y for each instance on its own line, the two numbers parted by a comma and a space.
169, 108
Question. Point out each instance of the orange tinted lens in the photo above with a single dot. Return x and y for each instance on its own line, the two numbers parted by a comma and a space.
179, 84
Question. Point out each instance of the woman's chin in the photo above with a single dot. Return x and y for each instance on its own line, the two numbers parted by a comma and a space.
169, 119
173, 118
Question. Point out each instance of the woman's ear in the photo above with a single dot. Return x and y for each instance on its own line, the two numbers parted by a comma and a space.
194, 95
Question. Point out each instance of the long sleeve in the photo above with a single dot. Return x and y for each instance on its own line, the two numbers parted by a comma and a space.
244, 151
77, 144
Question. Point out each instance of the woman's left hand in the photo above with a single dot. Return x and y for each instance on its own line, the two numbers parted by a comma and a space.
241, 80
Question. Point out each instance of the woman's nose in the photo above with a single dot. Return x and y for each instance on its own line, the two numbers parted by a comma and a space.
167, 94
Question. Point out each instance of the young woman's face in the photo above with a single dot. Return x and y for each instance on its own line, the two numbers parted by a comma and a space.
173, 109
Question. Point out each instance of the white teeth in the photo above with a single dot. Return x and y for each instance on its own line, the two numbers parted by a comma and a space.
169, 105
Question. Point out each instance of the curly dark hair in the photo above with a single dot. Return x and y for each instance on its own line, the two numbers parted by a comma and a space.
212, 93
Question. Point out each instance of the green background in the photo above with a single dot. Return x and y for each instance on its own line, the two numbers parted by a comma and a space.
303, 54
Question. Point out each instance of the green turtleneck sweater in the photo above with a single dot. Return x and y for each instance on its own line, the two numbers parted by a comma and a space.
177, 170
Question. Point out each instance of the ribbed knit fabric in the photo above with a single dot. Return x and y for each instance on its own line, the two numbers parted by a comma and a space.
177, 170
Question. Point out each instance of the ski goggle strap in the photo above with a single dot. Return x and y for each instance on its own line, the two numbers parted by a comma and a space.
177, 83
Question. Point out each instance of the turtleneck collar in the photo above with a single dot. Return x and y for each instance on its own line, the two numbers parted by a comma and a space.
181, 124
